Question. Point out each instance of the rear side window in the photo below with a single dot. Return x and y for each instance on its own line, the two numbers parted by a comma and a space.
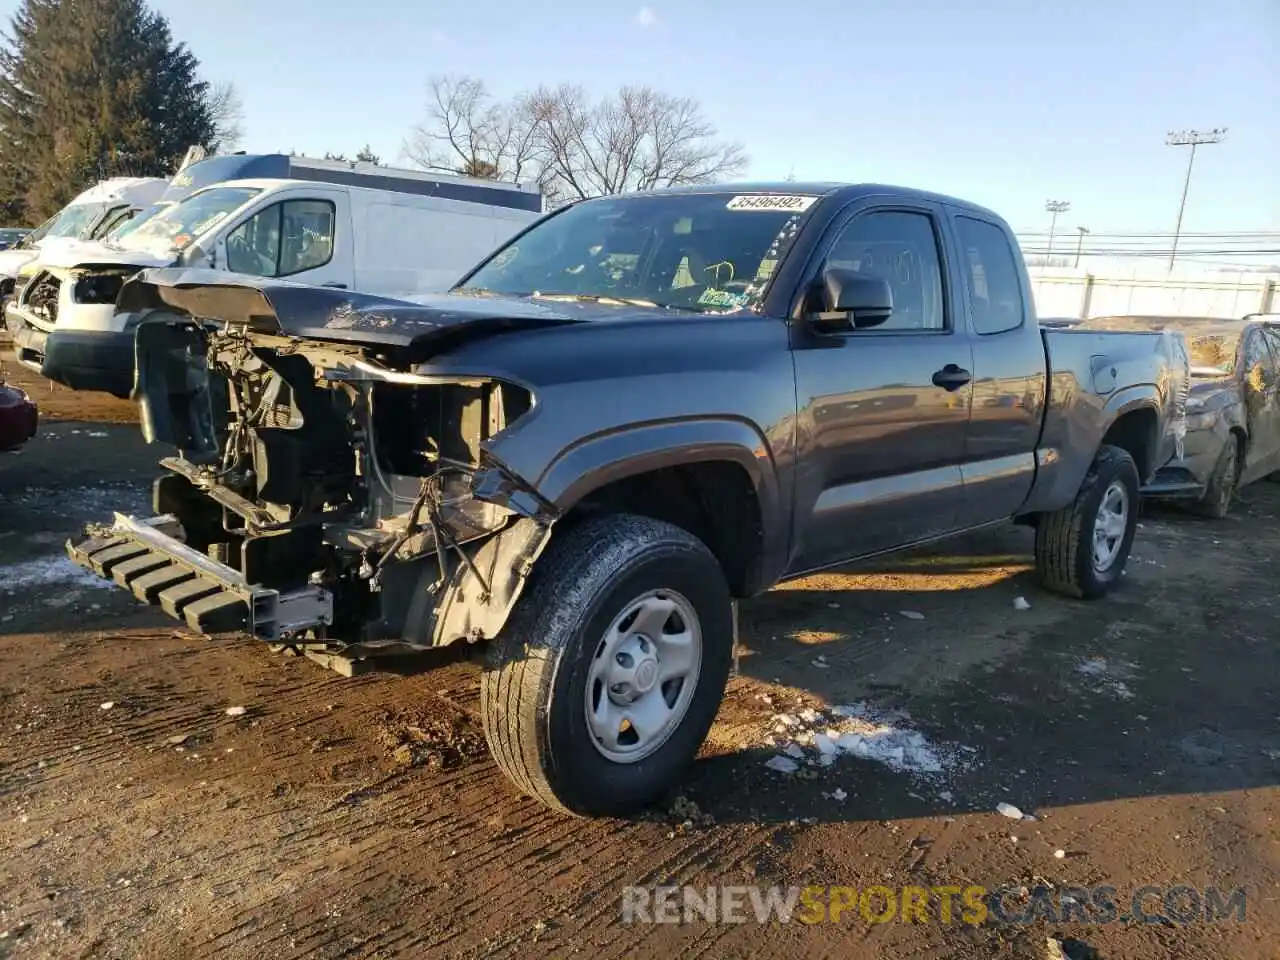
991, 276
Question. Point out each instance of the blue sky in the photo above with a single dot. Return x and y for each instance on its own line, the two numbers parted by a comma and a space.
1005, 102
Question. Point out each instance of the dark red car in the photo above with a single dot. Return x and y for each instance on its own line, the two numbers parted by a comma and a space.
18, 417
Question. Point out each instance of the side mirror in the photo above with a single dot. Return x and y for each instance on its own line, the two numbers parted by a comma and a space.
853, 300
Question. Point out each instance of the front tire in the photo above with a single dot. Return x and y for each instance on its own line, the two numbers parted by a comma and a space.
1221, 488
610, 671
1081, 550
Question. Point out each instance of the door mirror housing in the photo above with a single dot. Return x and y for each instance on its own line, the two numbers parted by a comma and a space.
853, 300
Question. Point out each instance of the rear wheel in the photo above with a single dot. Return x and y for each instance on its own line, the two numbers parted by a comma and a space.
1221, 489
1081, 550
604, 683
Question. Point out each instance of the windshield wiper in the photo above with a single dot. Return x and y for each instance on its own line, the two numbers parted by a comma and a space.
595, 298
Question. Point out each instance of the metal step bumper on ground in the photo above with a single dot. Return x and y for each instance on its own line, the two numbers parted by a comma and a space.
149, 558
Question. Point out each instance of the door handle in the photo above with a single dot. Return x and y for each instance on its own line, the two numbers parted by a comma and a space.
340, 286
951, 377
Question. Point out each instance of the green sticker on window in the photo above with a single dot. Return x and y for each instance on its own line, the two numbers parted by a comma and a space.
721, 298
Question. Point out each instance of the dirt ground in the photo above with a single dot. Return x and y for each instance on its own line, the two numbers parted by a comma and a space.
362, 818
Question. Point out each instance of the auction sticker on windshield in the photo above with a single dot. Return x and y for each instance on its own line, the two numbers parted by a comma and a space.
774, 202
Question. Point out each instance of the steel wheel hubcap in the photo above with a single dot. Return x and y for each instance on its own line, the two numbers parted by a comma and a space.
643, 675
1110, 525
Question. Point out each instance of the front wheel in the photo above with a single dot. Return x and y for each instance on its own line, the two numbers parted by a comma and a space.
607, 678
1081, 550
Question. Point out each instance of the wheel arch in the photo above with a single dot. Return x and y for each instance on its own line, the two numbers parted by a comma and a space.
714, 477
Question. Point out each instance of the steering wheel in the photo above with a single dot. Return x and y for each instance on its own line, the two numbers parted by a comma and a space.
239, 247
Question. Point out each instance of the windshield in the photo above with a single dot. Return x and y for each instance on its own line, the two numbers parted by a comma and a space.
174, 228
76, 219
1215, 350
692, 251
134, 222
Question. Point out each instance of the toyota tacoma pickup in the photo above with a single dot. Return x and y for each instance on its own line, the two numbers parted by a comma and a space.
639, 410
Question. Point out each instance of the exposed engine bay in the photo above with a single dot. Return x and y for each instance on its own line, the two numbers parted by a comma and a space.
321, 495
41, 296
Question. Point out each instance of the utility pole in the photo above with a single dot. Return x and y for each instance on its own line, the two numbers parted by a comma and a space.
1055, 207
1192, 139
1080, 244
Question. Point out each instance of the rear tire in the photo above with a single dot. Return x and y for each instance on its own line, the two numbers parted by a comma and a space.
1221, 489
550, 684
1081, 550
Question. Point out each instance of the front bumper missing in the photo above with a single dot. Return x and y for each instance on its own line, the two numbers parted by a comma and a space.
149, 558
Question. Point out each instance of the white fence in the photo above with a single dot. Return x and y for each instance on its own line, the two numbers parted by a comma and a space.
1064, 292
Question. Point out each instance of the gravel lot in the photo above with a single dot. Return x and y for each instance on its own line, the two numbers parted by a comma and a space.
362, 818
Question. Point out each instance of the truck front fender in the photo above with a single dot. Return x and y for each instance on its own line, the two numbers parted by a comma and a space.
597, 461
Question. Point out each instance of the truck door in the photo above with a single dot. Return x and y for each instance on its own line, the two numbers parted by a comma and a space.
883, 411
1009, 373
304, 237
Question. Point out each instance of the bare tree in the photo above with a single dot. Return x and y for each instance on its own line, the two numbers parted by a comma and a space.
572, 146
226, 109
468, 131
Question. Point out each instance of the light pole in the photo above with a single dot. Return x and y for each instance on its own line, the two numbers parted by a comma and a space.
1080, 243
1192, 139
1054, 207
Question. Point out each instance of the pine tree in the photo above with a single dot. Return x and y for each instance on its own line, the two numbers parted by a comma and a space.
91, 89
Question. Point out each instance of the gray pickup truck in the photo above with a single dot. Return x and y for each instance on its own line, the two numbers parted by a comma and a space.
637, 411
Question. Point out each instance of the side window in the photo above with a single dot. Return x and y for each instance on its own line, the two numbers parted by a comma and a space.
283, 239
1272, 335
901, 248
1259, 368
991, 276
307, 241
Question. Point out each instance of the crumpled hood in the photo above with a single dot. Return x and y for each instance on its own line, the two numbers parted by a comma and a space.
12, 261
84, 253
327, 313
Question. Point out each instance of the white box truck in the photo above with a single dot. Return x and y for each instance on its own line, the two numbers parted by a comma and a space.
358, 227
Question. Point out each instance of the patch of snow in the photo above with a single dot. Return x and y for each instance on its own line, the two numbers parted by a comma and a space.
1093, 667
235, 711
912, 614
48, 571
1107, 674
1008, 810
859, 730
782, 765
1020, 603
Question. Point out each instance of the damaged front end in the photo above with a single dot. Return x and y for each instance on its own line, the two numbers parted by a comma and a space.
324, 493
